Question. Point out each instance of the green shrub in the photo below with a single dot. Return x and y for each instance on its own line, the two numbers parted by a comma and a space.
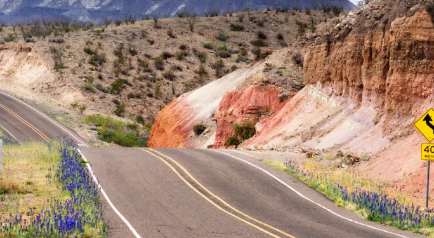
221, 36
208, 45
101, 88
180, 55
88, 51
279, 36
244, 131
219, 66
97, 59
199, 129
88, 87
224, 53
117, 86
222, 47
233, 140
236, 27
140, 119
108, 121
159, 62
169, 75
202, 57
124, 139
119, 111
131, 95
258, 42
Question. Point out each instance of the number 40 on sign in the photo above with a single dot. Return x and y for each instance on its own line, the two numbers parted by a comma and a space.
427, 152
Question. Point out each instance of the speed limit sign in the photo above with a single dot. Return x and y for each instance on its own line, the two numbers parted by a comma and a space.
427, 151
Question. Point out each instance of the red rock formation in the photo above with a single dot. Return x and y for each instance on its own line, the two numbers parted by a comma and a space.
246, 104
170, 132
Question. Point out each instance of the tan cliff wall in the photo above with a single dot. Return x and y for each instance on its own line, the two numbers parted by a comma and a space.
395, 64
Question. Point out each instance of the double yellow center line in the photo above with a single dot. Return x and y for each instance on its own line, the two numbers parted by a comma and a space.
36, 130
214, 199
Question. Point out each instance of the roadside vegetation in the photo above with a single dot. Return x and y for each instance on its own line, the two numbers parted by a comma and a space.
118, 132
45, 191
242, 131
361, 194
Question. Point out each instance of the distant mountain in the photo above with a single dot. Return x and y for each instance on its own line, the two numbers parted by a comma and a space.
93, 10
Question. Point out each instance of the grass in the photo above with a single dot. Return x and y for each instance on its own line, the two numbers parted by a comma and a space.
363, 195
46, 192
117, 131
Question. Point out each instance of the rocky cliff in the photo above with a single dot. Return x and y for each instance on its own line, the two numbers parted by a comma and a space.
367, 81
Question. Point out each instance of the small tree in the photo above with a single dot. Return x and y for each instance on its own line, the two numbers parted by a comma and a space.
192, 22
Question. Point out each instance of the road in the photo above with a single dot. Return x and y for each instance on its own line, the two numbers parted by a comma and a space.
198, 193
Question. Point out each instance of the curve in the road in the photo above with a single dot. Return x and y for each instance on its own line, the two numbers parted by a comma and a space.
237, 214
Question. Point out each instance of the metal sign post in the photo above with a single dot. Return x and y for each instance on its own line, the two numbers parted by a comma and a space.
427, 185
1, 154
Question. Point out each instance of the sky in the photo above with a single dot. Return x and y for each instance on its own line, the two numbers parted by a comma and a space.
354, 2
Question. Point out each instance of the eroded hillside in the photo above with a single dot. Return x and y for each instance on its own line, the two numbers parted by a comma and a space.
367, 80
133, 70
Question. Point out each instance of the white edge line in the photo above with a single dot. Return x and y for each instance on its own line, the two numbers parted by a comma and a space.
107, 198
308, 199
54, 122
10, 134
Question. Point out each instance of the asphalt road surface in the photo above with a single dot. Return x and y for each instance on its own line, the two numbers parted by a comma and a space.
25, 123
197, 193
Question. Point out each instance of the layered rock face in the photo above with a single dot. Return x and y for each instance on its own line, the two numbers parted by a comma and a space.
245, 105
389, 69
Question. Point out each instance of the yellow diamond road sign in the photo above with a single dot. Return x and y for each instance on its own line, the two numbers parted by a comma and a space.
426, 125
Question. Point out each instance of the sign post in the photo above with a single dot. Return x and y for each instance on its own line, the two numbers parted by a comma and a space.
1, 154
426, 128
102, 130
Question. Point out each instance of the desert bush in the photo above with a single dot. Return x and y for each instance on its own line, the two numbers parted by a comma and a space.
88, 51
101, 88
236, 27
97, 59
118, 85
261, 22
202, 57
202, 71
167, 55
261, 35
132, 50
279, 36
257, 52
88, 87
233, 141
241, 16
183, 47
140, 119
199, 129
169, 74
337, 10
120, 109
208, 45
118, 22
219, 67
223, 53
130, 18
221, 36
298, 59
192, 22
244, 131
180, 55
258, 43
159, 62
170, 33
212, 12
